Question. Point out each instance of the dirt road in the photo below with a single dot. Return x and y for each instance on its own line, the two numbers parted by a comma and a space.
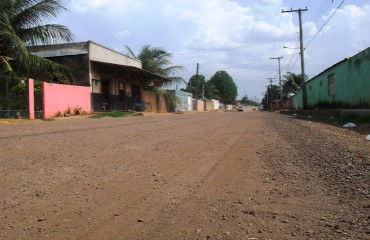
248, 175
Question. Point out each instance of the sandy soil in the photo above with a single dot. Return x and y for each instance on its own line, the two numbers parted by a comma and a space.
236, 175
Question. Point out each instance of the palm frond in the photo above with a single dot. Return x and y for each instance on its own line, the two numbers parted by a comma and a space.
5, 66
11, 44
38, 67
173, 99
46, 34
30, 13
22, 23
130, 52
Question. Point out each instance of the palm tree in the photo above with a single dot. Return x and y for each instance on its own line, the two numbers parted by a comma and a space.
22, 24
292, 82
157, 60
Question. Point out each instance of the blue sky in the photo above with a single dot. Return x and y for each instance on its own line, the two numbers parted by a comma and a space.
236, 36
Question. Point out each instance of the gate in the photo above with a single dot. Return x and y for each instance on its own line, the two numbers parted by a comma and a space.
14, 98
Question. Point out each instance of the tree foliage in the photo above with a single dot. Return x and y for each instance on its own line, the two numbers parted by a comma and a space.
195, 85
292, 82
245, 100
22, 24
272, 94
222, 87
158, 61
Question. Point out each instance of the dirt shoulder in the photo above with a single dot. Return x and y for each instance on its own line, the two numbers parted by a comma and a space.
250, 175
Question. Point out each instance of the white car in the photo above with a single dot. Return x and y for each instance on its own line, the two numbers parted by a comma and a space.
240, 109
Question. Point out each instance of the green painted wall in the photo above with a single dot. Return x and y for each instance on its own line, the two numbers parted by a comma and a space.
352, 85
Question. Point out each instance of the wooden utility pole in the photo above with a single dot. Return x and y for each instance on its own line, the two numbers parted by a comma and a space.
197, 83
203, 91
299, 11
272, 95
280, 85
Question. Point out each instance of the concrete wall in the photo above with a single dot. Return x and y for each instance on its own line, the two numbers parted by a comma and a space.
58, 50
58, 98
212, 105
79, 66
100, 53
199, 105
159, 103
184, 100
31, 99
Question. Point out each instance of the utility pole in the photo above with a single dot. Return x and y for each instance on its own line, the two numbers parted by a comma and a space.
267, 96
203, 92
196, 79
299, 11
280, 85
272, 95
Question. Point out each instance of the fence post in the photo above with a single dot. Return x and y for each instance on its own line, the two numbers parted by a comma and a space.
31, 99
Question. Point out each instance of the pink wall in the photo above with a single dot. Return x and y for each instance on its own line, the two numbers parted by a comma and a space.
198, 105
58, 97
31, 99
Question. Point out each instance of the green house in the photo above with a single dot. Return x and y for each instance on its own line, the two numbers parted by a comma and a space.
346, 84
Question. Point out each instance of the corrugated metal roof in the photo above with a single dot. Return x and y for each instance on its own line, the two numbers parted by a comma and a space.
340, 62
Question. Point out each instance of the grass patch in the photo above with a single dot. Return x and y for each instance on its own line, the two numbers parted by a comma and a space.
116, 114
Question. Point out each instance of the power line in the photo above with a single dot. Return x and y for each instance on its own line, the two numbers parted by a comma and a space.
323, 9
326, 22
230, 49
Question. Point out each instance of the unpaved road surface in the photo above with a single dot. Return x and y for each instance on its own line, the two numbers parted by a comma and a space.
249, 175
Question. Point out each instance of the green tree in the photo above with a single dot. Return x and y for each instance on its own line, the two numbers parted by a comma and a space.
22, 24
211, 91
292, 82
195, 85
273, 93
157, 60
227, 90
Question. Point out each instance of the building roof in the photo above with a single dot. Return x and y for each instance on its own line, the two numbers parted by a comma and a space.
340, 62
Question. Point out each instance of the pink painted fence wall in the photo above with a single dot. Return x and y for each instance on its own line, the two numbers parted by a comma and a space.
59, 97
31, 98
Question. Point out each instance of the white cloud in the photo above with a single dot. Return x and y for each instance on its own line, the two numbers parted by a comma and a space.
342, 37
104, 6
236, 35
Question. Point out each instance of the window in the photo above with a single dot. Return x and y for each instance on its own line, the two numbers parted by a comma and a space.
310, 87
114, 87
320, 82
331, 84
96, 86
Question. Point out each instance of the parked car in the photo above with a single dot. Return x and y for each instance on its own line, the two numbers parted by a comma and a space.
240, 109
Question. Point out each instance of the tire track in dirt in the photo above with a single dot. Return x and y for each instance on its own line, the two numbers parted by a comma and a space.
139, 177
